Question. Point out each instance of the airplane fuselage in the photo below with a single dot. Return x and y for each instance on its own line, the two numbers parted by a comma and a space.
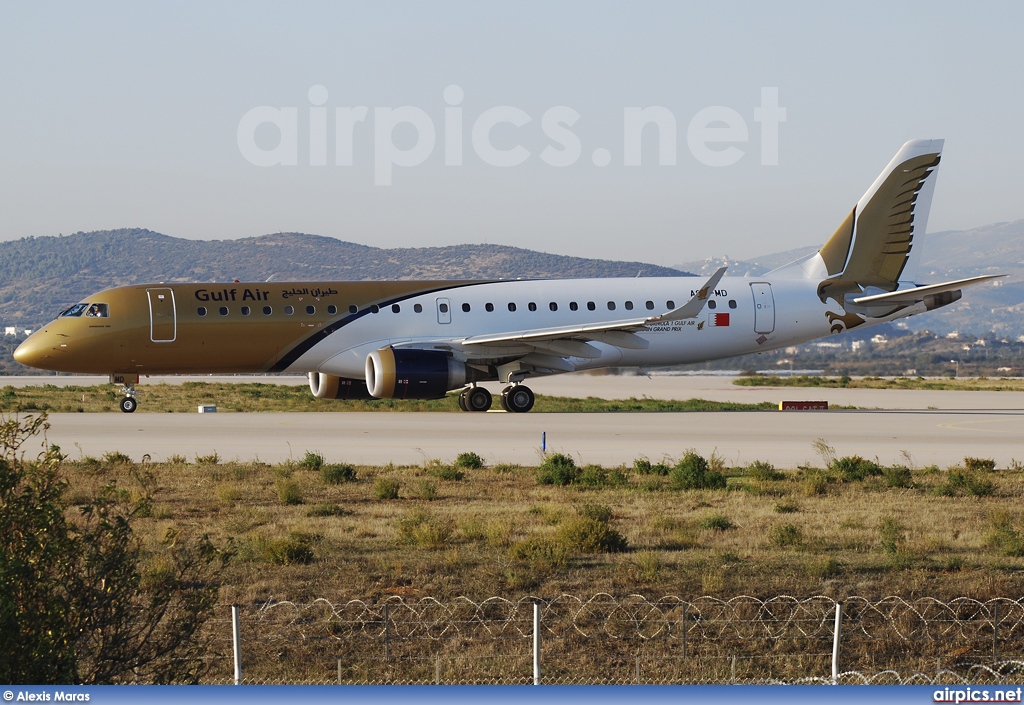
332, 327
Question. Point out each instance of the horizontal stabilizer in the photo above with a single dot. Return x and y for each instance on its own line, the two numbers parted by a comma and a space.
918, 293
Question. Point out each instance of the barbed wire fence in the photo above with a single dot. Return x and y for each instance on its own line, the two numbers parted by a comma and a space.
632, 639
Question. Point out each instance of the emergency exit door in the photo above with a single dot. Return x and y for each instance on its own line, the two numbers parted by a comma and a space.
163, 325
764, 307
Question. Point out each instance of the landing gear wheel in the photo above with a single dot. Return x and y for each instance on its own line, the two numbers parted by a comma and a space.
462, 400
478, 399
517, 398
129, 404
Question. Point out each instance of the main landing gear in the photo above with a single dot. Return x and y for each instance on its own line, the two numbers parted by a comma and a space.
129, 403
516, 398
474, 399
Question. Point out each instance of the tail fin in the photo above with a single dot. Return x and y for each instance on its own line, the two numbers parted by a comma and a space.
874, 246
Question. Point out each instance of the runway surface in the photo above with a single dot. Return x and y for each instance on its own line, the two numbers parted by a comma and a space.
932, 427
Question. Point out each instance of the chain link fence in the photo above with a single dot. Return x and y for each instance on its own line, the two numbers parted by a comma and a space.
632, 639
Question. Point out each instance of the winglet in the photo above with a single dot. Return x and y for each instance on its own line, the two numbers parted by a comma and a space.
694, 306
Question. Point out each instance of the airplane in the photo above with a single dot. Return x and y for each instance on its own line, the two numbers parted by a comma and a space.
424, 339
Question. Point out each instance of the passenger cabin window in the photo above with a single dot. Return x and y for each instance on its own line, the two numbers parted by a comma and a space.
573, 305
532, 306
246, 310
223, 310
465, 308
443, 308
512, 307
650, 305
488, 307
611, 305
267, 310
289, 310
553, 306
712, 304
732, 303
418, 308
310, 310
670, 304
353, 309
629, 305
395, 308
591, 306
375, 309
201, 310
331, 310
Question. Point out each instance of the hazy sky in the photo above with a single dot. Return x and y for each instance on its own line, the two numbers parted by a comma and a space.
129, 114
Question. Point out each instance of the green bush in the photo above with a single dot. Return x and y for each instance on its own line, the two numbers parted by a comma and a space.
325, 510
965, 482
643, 466
897, 476
288, 491
294, 549
116, 457
892, 536
424, 530
979, 464
853, 467
557, 469
765, 472
443, 471
386, 488
716, 522
786, 535
337, 474
596, 476
469, 461
787, 507
311, 461
692, 473
591, 531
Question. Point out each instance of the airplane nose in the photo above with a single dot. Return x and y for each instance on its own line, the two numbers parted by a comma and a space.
32, 352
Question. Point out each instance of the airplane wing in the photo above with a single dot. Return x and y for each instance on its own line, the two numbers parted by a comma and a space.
918, 293
573, 341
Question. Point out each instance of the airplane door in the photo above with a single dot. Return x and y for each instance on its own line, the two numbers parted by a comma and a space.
163, 326
764, 307
444, 311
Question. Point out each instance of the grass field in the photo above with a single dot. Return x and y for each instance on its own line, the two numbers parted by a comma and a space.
254, 396
690, 526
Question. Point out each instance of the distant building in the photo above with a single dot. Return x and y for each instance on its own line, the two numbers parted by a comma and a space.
10, 330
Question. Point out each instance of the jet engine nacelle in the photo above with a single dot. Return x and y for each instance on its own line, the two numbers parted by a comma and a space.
412, 374
325, 386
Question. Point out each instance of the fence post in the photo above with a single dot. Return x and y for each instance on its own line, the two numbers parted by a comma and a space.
339, 670
995, 629
684, 631
387, 641
236, 640
638, 666
836, 635
536, 643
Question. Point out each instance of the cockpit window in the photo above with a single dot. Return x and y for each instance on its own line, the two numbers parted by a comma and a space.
97, 311
75, 311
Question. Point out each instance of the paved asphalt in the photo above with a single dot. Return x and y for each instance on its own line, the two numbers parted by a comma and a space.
932, 427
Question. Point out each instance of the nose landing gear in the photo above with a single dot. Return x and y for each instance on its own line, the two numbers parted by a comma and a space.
129, 404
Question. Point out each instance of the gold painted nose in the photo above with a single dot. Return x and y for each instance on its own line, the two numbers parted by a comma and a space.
33, 352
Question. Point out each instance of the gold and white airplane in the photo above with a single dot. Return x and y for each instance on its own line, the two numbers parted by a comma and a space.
422, 339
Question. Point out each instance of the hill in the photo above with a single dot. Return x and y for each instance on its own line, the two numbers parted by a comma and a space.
952, 254
43, 275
